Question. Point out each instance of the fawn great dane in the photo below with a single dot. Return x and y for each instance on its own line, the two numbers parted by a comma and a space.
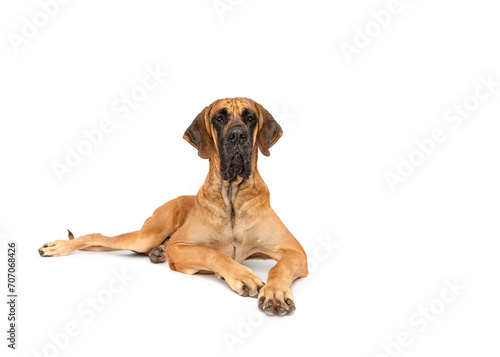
229, 221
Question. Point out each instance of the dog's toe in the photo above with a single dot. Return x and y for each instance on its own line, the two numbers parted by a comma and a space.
158, 255
56, 248
276, 301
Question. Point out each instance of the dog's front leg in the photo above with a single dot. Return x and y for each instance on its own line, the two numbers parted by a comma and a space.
276, 298
190, 259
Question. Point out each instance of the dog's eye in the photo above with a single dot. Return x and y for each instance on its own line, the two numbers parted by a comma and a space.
220, 118
250, 118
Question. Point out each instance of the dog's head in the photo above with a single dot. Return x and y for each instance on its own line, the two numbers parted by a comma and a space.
230, 130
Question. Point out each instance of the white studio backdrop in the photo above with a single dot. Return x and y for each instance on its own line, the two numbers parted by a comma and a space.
387, 172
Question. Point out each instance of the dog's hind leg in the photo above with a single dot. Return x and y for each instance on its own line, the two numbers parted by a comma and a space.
155, 230
139, 241
93, 248
158, 254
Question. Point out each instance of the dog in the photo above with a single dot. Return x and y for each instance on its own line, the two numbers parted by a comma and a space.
229, 221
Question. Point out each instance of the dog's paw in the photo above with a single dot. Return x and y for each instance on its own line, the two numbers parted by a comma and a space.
158, 254
276, 301
56, 248
244, 281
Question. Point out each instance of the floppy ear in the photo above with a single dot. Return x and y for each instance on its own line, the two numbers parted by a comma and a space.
197, 135
269, 132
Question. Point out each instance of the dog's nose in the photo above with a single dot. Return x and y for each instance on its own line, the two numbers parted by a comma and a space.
236, 134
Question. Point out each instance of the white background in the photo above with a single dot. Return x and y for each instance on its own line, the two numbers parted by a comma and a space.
345, 124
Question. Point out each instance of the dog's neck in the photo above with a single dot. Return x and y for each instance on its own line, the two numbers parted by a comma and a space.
231, 195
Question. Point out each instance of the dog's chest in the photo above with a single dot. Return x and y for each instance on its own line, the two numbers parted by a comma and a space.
236, 239
236, 234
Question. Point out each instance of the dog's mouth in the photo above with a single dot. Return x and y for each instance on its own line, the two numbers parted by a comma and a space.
236, 150
235, 165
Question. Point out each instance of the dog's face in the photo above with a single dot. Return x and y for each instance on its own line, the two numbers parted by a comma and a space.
231, 129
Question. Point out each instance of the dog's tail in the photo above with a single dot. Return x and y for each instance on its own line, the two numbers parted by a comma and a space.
92, 248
